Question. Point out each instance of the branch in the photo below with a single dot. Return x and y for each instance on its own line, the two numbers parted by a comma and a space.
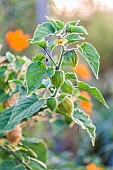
50, 58
15, 156
61, 57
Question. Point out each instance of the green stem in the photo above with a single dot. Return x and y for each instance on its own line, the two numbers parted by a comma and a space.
15, 156
51, 58
61, 58
58, 68
55, 92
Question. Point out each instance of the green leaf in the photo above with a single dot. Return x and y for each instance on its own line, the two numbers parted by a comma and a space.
91, 56
20, 167
74, 23
10, 57
22, 91
51, 45
3, 70
40, 163
35, 75
92, 90
50, 72
83, 120
69, 75
2, 76
41, 151
76, 29
72, 38
39, 148
4, 118
20, 61
9, 165
58, 25
43, 31
42, 44
25, 108
1, 107
16, 81
38, 57
3, 96
83, 98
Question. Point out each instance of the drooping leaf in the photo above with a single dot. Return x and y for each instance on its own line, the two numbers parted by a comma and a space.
92, 90
58, 25
25, 108
91, 56
76, 29
83, 120
38, 57
72, 38
35, 74
43, 31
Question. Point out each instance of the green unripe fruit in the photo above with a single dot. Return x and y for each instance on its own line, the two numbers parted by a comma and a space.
52, 103
58, 78
62, 95
71, 58
67, 86
66, 106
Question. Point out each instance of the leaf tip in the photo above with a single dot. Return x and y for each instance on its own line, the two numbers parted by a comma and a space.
107, 106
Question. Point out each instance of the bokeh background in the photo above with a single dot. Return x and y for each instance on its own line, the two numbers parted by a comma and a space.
68, 147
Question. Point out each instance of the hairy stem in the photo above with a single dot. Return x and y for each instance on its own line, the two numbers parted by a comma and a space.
51, 58
61, 58
15, 156
58, 68
55, 92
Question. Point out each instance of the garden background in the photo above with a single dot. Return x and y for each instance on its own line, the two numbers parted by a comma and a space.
67, 146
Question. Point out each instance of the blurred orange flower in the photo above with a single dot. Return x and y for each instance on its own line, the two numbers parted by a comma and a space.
82, 71
86, 105
17, 40
93, 167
